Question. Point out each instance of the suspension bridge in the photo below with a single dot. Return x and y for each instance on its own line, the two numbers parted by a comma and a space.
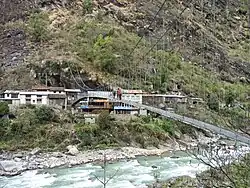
141, 75
233, 135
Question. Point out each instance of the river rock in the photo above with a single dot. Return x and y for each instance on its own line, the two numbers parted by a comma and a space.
18, 155
11, 166
186, 137
35, 151
222, 143
72, 150
177, 135
16, 159
57, 154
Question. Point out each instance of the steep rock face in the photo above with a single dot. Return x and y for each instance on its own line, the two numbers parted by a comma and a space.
13, 47
11, 10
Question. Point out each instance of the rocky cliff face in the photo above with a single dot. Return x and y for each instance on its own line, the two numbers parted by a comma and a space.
211, 34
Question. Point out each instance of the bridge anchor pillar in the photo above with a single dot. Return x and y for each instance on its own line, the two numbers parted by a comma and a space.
143, 112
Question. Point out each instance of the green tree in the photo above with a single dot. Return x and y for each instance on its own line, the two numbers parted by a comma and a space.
38, 27
106, 60
4, 108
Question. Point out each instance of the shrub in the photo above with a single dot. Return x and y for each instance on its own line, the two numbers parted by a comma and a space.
140, 139
57, 135
88, 6
104, 120
4, 108
104, 54
4, 127
38, 27
44, 114
168, 127
185, 129
230, 98
146, 119
25, 123
213, 102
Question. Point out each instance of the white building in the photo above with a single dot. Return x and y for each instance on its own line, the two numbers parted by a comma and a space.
104, 94
11, 97
34, 97
132, 95
11, 94
129, 95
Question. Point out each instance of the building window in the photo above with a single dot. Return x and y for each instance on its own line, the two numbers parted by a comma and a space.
39, 96
60, 92
8, 95
54, 91
14, 95
27, 96
39, 100
28, 100
34, 101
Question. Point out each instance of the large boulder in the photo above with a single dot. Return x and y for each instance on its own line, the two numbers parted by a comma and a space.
10, 166
72, 150
35, 151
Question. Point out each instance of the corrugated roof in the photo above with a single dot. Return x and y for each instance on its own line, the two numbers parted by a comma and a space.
12, 91
40, 88
73, 90
35, 93
56, 96
132, 91
56, 88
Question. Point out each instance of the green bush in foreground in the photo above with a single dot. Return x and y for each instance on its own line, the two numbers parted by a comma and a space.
44, 114
4, 108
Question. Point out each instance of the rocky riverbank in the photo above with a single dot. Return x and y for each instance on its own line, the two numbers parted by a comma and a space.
14, 163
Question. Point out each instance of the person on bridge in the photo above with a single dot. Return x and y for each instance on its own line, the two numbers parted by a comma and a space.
119, 94
114, 94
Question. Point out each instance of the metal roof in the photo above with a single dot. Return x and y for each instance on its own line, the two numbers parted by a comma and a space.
56, 88
12, 91
73, 90
35, 93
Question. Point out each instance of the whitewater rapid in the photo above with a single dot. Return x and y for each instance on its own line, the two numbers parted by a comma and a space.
129, 174
138, 172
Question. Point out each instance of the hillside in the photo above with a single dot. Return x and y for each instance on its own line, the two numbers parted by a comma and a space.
202, 47
213, 36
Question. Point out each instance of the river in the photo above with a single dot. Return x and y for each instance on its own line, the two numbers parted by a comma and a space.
138, 172
131, 173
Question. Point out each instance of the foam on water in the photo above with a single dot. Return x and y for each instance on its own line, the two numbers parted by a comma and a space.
131, 174
28, 179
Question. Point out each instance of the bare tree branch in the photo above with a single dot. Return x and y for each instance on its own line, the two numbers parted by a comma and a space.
110, 178
104, 182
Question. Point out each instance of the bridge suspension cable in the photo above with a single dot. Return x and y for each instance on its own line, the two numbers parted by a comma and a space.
160, 38
138, 42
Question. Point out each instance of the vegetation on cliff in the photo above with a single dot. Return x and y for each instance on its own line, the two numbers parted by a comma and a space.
54, 130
